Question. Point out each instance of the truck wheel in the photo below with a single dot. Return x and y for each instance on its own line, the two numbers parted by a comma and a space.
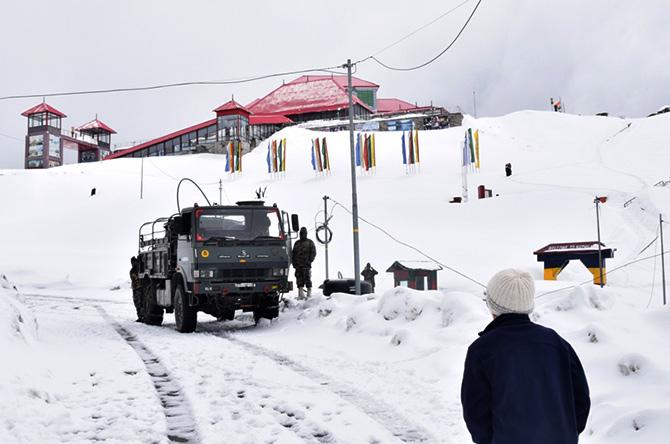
185, 317
153, 314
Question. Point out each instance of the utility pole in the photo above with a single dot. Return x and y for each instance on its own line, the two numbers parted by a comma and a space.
325, 224
660, 219
600, 253
354, 195
142, 178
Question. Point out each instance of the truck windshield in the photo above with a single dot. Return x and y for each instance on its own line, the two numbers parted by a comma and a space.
238, 224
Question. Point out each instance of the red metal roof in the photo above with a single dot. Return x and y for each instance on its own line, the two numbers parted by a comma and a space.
132, 149
42, 107
340, 80
392, 105
231, 106
268, 119
96, 125
300, 97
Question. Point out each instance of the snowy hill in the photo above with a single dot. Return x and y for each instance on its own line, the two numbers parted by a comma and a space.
59, 239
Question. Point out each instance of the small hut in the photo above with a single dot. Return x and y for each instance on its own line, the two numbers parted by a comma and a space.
556, 256
419, 275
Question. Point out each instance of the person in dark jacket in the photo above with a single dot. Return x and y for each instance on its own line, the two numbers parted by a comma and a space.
136, 285
369, 274
302, 257
522, 383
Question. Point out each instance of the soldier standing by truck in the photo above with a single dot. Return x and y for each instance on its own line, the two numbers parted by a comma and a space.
136, 285
303, 255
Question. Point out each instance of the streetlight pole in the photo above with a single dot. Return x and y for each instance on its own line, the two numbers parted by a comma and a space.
354, 195
325, 224
660, 219
600, 253
142, 178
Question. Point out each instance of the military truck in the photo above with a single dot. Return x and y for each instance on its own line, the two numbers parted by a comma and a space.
216, 259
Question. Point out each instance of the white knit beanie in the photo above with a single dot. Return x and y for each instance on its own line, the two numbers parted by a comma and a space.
511, 291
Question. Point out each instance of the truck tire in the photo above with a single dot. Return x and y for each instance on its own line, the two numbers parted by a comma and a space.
153, 314
185, 317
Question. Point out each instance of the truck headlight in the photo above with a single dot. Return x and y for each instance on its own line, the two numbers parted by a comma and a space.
279, 272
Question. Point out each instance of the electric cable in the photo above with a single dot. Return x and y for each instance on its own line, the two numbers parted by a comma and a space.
653, 275
605, 274
421, 28
405, 244
465, 25
197, 186
177, 84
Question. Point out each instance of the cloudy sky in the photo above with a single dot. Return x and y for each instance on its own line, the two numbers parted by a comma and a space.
598, 55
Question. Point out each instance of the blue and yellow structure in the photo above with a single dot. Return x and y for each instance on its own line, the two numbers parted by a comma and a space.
557, 256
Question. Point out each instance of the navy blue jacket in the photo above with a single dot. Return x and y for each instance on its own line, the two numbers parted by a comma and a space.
523, 384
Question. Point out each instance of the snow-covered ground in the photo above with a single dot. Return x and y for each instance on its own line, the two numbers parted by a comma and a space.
381, 368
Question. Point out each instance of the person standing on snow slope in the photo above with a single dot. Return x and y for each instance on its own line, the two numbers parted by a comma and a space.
522, 382
369, 274
136, 285
302, 257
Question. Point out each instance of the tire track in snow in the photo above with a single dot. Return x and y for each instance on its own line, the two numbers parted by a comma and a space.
180, 421
381, 412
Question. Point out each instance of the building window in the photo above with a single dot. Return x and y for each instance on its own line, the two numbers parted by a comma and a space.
211, 133
104, 138
185, 146
38, 119
54, 120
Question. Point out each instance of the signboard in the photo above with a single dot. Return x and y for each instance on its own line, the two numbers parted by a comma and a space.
400, 125
89, 156
368, 126
36, 146
35, 163
54, 146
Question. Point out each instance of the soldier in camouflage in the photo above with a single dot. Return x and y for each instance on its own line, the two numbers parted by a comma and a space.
302, 257
136, 285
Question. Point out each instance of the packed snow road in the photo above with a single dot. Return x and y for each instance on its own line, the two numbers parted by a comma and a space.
129, 382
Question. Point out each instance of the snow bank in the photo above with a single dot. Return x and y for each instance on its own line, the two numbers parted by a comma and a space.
17, 322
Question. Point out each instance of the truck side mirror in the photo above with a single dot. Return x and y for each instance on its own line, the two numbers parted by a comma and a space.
295, 223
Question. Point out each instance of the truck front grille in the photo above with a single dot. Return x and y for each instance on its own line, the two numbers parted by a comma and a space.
243, 273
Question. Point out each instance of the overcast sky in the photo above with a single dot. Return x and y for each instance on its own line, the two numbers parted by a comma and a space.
598, 55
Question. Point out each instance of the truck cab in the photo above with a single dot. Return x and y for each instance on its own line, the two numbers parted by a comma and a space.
216, 259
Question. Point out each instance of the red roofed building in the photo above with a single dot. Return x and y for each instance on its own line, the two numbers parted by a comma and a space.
393, 106
318, 98
47, 145
306, 98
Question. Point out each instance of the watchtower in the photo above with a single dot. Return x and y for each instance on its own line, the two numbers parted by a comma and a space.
232, 121
101, 134
43, 141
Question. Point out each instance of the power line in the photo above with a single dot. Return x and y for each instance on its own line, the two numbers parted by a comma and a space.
465, 25
438, 18
405, 244
604, 273
175, 85
11, 137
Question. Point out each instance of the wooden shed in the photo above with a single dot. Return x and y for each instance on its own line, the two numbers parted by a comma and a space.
419, 275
